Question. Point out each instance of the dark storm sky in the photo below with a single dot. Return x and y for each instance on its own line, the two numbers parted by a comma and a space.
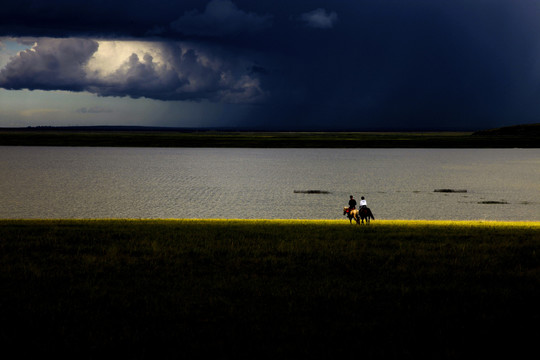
301, 64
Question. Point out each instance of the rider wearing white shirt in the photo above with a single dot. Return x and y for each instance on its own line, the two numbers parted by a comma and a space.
363, 202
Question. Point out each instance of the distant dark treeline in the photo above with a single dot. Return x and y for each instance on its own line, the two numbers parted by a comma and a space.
516, 130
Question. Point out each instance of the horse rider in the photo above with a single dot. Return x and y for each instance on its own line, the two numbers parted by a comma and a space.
352, 203
363, 203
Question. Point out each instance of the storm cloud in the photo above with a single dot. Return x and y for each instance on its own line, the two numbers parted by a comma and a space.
52, 64
220, 18
416, 64
157, 70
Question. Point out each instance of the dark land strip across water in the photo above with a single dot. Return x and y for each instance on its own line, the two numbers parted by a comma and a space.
525, 136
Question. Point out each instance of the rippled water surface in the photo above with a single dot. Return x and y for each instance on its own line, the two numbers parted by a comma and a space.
62, 182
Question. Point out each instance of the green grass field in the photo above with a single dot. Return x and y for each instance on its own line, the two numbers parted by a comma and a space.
269, 288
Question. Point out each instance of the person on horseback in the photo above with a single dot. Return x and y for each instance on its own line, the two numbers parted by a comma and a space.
363, 203
352, 203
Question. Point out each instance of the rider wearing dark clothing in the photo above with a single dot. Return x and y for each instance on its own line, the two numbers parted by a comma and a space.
352, 204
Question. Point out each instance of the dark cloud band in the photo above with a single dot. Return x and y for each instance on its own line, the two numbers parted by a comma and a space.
221, 18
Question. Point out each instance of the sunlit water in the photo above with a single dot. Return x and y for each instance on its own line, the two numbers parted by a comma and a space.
78, 182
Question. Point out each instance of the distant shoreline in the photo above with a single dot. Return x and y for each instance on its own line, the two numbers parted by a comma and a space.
524, 136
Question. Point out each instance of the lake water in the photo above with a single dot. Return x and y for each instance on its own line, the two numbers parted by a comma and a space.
79, 182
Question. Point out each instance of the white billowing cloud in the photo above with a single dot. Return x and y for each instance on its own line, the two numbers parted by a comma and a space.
319, 18
220, 18
155, 70
111, 55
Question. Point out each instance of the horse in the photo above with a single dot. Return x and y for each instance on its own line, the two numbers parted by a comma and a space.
359, 215
366, 214
352, 214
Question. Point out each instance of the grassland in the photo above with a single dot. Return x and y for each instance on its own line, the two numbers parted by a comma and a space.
106, 138
269, 289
